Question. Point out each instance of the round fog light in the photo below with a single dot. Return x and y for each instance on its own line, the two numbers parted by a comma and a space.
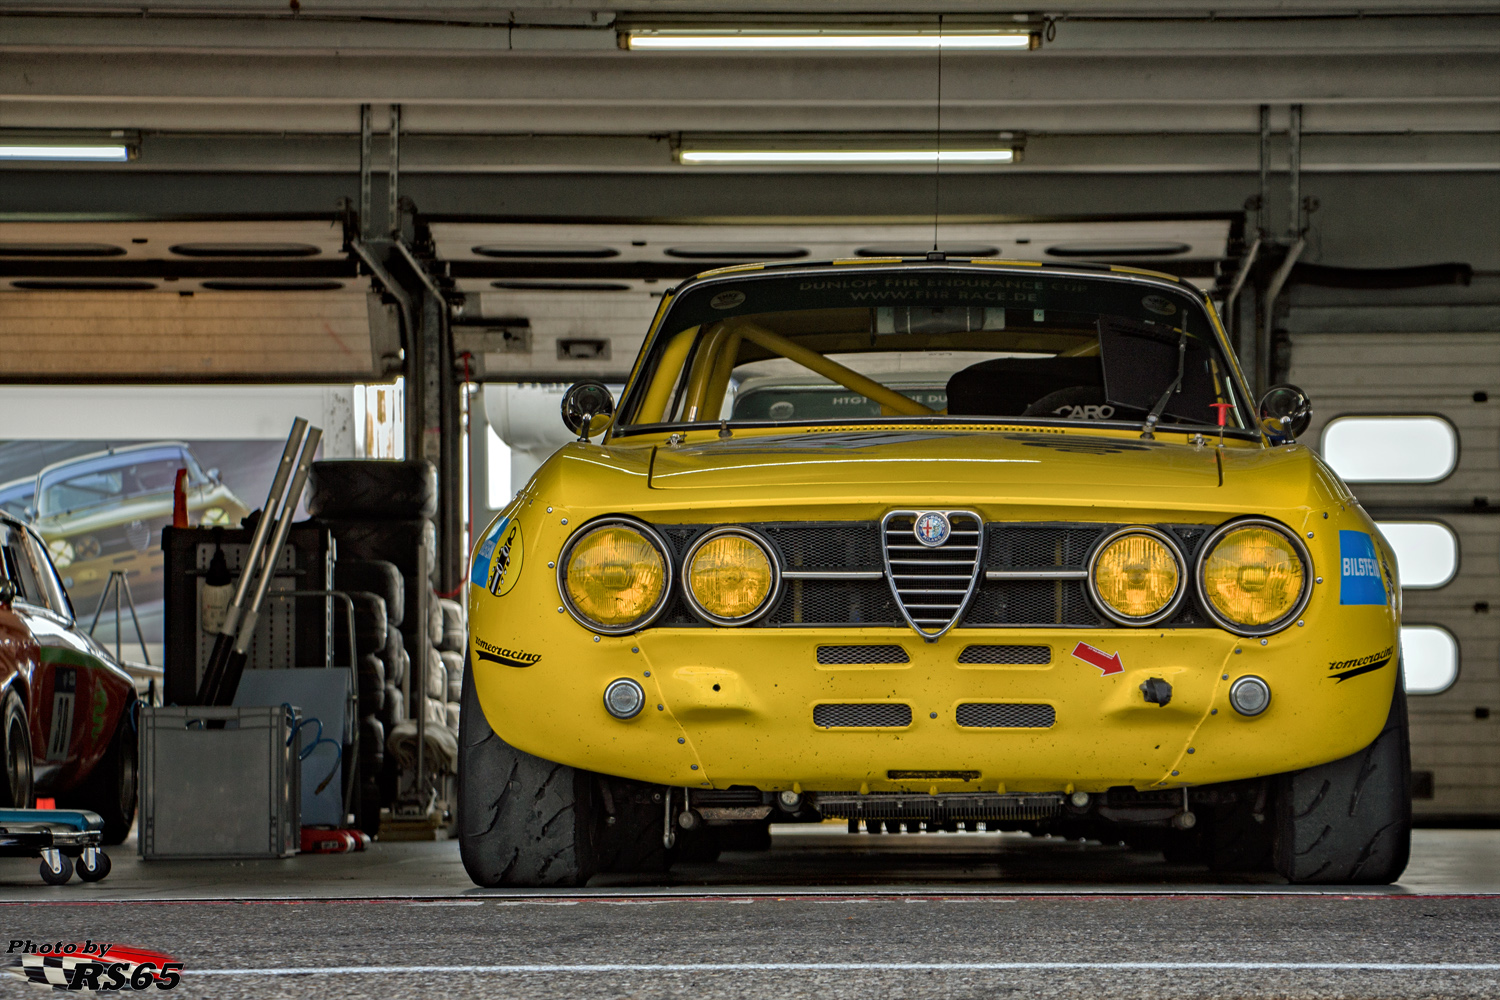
1250, 695
624, 698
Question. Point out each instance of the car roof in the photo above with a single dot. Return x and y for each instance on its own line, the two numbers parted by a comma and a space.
928, 263
15, 485
105, 459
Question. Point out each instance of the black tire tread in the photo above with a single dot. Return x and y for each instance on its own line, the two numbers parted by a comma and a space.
372, 489
522, 820
1348, 822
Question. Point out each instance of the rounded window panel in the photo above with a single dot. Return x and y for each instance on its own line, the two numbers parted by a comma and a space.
1429, 658
1411, 449
1426, 552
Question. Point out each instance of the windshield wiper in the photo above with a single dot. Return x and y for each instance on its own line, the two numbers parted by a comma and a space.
1176, 386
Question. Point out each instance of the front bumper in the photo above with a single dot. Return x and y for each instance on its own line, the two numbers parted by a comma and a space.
736, 707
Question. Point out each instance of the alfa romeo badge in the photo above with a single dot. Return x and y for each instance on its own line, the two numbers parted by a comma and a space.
932, 528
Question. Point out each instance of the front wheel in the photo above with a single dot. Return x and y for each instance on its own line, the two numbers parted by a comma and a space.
522, 820
16, 790
1349, 821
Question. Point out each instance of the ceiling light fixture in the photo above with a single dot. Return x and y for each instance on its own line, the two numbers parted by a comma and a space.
691, 39
840, 157
111, 153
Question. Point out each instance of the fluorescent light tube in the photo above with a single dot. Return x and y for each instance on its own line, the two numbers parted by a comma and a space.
113, 153
827, 40
784, 157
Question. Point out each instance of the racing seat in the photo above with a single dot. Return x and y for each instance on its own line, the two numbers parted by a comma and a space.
1015, 387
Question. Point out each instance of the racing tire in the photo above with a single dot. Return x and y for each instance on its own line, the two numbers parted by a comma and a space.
375, 576
111, 787
522, 820
1348, 822
365, 489
19, 785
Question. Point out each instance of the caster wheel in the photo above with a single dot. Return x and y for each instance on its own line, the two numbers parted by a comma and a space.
96, 873
59, 876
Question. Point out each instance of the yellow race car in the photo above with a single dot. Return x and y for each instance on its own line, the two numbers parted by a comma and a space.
928, 545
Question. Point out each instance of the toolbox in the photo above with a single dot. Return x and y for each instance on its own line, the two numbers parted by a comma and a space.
219, 783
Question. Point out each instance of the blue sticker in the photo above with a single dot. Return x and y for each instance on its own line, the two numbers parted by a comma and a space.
1359, 570
479, 575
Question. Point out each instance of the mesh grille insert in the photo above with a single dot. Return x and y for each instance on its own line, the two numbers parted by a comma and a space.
1006, 654
879, 715
998, 715
862, 654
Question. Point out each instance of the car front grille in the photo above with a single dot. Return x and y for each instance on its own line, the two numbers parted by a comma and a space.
862, 715
862, 654
999, 715
1006, 654
1031, 575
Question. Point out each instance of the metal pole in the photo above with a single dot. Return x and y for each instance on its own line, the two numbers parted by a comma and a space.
1262, 215
393, 175
365, 141
118, 581
1294, 228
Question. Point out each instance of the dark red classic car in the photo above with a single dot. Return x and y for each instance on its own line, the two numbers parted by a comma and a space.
66, 707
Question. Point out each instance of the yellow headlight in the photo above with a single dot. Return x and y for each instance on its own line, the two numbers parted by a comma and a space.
1137, 576
730, 577
615, 577
1254, 576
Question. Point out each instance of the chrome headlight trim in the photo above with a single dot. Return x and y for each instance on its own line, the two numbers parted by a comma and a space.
647, 532
1171, 606
1253, 631
772, 596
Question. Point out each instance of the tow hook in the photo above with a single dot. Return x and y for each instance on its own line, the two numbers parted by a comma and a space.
1156, 691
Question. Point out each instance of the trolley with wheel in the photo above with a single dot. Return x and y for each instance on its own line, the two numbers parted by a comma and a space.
64, 839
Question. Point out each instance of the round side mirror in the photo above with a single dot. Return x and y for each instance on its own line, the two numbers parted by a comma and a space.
1285, 412
582, 403
8, 592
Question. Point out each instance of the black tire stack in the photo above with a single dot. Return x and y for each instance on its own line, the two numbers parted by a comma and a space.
380, 515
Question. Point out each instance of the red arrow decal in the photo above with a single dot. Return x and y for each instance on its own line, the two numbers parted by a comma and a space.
1110, 664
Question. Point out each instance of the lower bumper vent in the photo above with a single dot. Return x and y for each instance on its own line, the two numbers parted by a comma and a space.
1006, 654
999, 715
877, 715
937, 808
862, 654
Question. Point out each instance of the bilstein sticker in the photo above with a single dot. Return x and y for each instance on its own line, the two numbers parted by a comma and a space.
1359, 570
1159, 305
497, 563
727, 300
508, 657
1345, 669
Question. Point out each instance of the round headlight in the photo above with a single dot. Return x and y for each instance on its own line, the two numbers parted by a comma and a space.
1136, 576
62, 552
1253, 578
731, 577
614, 576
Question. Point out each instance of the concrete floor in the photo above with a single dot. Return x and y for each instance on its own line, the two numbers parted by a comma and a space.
822, 914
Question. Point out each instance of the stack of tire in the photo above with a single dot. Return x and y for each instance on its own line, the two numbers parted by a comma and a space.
380, 515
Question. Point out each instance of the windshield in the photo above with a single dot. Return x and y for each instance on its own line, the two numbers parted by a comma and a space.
15, 498
111, 479
930, 343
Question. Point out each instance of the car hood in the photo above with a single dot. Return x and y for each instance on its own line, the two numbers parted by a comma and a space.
983, 464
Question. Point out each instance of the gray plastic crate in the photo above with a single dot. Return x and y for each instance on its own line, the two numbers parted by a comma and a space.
230, 792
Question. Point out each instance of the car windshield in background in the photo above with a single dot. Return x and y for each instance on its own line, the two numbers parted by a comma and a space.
935, 343
15, 498
108, 479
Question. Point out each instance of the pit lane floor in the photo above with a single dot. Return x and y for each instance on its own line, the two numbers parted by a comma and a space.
823, 914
